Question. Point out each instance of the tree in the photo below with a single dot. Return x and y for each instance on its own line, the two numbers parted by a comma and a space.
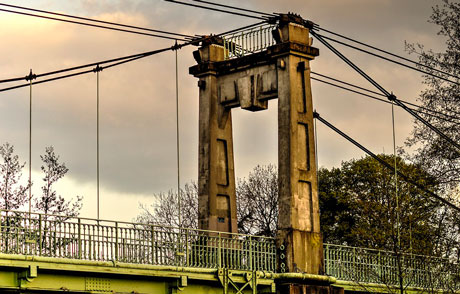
13, 195
434, 154
50, 202
359, 207
164, 210
257, 202
257, 209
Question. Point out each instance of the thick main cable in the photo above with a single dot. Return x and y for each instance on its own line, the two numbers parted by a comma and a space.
426, 123
92, 25
216, 9
384, 163
389, 95
96, 20
386, 52
136, 57
178, 46
421, 109
235, 8
393, 61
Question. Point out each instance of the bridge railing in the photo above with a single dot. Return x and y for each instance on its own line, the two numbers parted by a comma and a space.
101, 240
248, 41
363, 265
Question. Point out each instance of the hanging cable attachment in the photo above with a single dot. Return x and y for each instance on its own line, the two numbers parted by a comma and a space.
177, 46
98, 68
392, 97
31, 76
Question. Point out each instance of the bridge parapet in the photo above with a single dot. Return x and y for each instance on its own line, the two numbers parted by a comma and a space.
91, 240
368, 266
102, 240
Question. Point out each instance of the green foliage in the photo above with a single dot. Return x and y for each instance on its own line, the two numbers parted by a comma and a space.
435, 154
359, 207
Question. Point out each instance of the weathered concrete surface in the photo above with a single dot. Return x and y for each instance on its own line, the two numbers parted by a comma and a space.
282, 71
216, 182
298, 222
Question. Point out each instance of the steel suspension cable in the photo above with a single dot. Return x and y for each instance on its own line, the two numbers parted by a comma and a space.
31, 77
235, 8
91, 25
394, 61
385, 164
97, 70
389, 95
422, 110
387, 52
216, 9
113, 61
396, 176
380, 94
126, 58
178, 143
97, 20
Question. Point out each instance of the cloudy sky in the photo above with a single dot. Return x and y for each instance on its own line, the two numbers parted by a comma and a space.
137, 100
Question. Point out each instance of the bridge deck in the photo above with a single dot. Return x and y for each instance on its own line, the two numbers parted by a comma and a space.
86, 239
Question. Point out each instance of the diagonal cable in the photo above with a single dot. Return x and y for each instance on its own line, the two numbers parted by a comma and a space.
384, 163
389, 95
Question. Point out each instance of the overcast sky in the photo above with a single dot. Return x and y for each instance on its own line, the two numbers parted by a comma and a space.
137, 100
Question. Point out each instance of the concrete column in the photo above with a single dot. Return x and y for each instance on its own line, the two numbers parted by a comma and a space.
216, 176
298, 223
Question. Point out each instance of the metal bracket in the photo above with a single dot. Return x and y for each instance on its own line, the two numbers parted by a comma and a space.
27, 275
179, 285
227, 277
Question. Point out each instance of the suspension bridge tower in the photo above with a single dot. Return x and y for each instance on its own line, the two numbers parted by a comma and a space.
246, 71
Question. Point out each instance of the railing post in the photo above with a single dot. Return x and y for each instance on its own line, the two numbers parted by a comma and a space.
116, 241
152, 240
187, 248
250, 253
79, 239
219, 252
40, 234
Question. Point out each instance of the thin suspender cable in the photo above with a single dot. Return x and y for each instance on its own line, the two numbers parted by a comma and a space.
178, 145
120, 59
316, 154
384, 163
396, 177
97, 69
30, 142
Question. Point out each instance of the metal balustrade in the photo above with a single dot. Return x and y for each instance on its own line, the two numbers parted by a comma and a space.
101, 240
363, 265
248, 41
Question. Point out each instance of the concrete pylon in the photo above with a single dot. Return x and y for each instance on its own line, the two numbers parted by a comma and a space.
298, 221
281, 71
216, 176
